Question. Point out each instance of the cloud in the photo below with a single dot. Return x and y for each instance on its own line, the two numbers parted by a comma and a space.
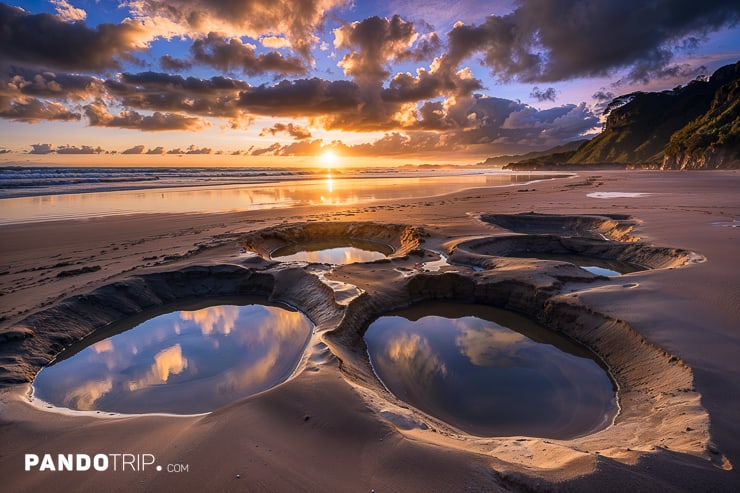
156, 150
549, 94
485, 344
276, 42
47, 40
41, 149
603, 95
266, 150
18, 81
216, 97
515, 126
296, 21
139, 149
552, 40
232, 54
296, 131
373, 43
5, 151
397, 143
67, 11
302, 97
98, 116
32, 110
172, 64
194, 150
190, 150
80, 150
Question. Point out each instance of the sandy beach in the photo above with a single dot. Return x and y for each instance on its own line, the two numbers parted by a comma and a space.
670, 335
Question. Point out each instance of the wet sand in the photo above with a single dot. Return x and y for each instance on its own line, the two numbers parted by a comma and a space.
331, 427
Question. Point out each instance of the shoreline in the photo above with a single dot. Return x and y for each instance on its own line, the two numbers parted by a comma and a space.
689, 312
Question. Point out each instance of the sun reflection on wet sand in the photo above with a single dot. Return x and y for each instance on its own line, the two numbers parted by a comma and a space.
344, 191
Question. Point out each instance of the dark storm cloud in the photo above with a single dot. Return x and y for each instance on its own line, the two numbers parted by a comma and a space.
232, 54
296, 131
297, 21
47, 40
99, 116
549, 94
551, 40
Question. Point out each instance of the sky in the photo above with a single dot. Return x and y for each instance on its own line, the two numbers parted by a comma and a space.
281, 82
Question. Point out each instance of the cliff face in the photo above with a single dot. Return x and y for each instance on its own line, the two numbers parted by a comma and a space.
640, 130
692, 127
712, 141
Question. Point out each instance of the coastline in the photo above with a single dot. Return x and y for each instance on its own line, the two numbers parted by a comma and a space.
689, 311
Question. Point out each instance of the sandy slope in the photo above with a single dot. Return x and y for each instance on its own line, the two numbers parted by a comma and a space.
324, 429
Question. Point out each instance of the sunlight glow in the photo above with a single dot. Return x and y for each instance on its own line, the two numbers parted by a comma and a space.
329, 159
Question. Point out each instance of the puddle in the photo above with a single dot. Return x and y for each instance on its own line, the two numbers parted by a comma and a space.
333, 251
444, 264
734, 223
182, 362
598, 266
460, 363
617, 195
344, 292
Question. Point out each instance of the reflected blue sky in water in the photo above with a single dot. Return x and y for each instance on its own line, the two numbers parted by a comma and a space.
181, 362
487, 379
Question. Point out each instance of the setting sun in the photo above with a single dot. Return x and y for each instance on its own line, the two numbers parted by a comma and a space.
329, 159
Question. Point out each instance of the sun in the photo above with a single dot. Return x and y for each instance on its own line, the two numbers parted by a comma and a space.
329, 159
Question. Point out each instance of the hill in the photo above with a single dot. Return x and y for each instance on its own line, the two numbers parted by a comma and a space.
695, 126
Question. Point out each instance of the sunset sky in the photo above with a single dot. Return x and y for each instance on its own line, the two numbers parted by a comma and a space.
255, 82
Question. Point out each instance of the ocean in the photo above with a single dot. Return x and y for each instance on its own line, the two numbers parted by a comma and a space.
49, 194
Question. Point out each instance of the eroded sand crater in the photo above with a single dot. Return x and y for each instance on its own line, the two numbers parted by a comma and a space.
400, 238
659, 407
616, 227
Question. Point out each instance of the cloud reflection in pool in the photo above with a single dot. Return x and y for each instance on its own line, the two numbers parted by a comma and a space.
462, 364
181, 362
